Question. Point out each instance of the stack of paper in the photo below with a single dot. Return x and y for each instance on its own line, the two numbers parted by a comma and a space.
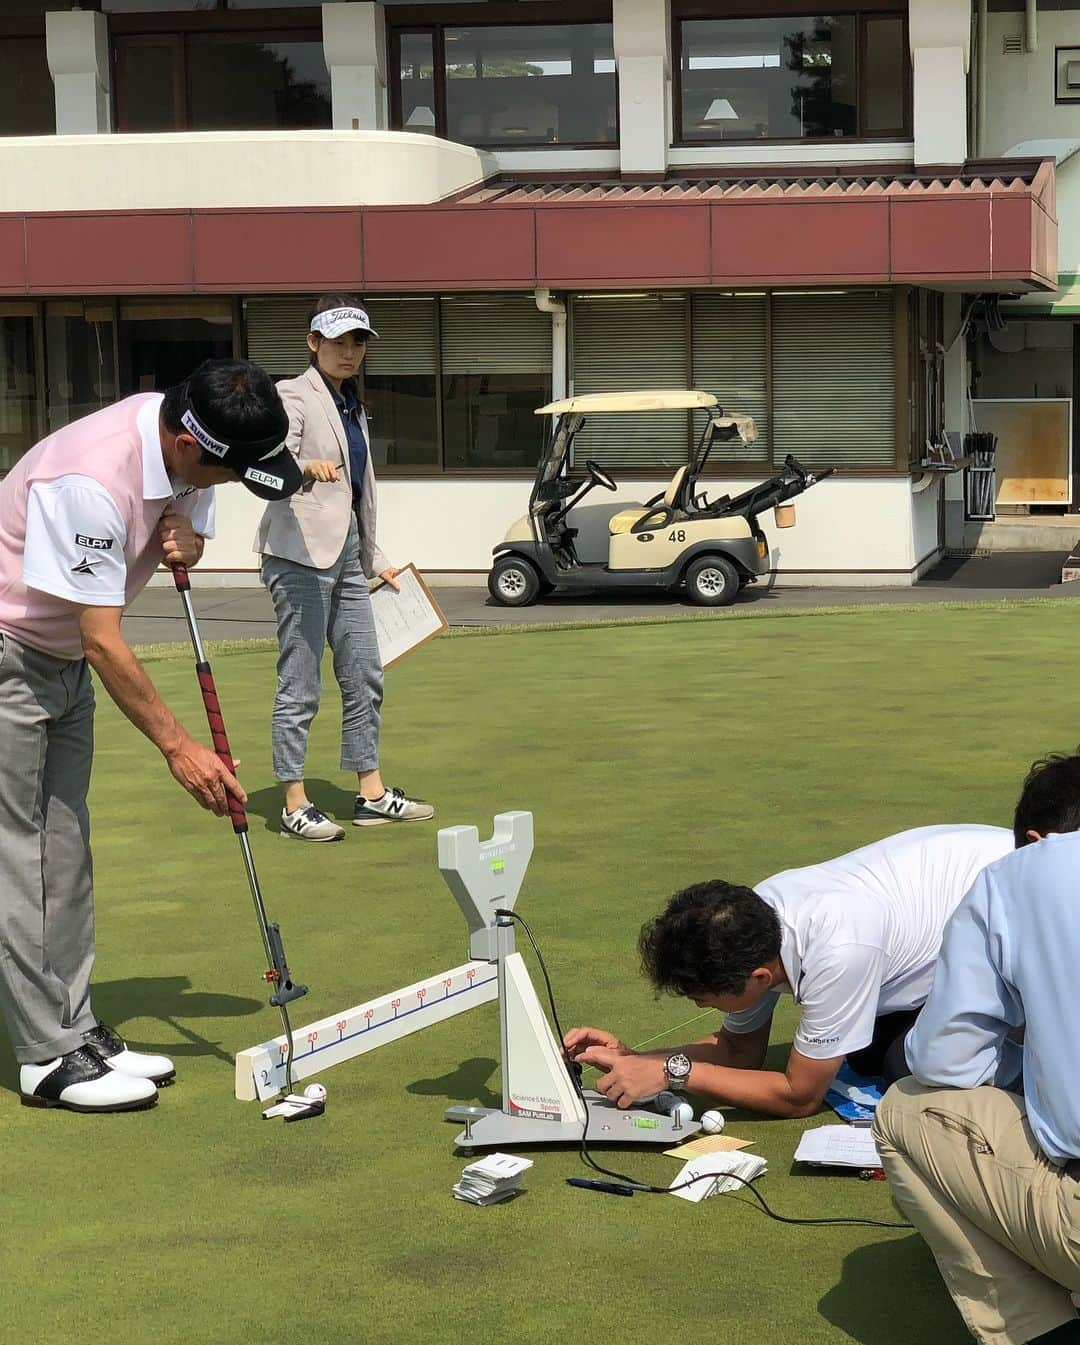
717, 1173
839, 1147
492, 1179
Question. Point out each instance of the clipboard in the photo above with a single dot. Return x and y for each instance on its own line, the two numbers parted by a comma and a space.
406, 620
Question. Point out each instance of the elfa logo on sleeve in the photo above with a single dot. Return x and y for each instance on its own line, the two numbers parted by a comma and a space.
93, 543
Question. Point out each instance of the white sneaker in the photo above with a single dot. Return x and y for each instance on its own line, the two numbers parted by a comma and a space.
82, 1081
159, 1069
309, 824
392, 807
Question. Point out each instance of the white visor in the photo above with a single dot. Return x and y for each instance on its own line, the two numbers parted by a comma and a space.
338, 321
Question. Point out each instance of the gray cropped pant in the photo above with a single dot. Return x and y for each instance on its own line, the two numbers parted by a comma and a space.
46, 877
314, 607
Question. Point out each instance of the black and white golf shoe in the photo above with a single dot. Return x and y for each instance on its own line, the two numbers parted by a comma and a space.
159, 1069
82, 1081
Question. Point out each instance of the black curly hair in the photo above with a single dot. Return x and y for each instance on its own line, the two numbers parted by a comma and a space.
1050, 799
709, 939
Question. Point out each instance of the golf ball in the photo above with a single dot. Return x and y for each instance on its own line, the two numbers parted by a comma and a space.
712, 1122
682, 1113
316, 1092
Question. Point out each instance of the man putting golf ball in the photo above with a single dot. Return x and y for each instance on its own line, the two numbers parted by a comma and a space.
86, 517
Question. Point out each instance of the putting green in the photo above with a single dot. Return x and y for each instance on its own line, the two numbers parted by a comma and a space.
652, 756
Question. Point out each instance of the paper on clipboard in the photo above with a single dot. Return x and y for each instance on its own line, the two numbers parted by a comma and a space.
406, 619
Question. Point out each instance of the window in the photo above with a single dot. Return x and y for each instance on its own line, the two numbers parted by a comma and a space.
496, 363
795, 78
80, 358
514, 85
416, 82
834, 378
27, 101
621, 343
94, 352
816, 371
731, 359
162, 340
885, 75
401, 377
19, 406
451, 384
220, 81
162, 6
926, 366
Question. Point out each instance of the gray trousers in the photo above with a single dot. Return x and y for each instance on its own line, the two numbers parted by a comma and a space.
46, 878
312, 608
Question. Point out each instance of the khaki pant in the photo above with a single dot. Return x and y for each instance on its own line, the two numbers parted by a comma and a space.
1002, 1221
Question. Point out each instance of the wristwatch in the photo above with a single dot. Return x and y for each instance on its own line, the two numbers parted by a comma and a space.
677, 1068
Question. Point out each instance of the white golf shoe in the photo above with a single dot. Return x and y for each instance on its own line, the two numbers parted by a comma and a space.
159, 1069
82, 1081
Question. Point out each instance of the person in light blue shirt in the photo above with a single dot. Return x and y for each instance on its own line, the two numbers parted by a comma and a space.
982, 1144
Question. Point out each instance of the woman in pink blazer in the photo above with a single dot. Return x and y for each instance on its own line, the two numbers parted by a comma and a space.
318, 553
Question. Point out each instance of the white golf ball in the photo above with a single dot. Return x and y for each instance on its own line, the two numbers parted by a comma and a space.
712, 1122
682, 1114
316, 1092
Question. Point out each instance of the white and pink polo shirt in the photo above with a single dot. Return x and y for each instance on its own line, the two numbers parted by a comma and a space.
78, 522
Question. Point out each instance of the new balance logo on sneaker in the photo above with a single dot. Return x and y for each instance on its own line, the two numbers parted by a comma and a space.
307, 823
394, 806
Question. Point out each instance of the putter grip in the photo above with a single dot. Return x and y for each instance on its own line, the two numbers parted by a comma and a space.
220, 739
180, 579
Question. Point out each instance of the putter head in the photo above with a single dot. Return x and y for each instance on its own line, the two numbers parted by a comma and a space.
295, 1107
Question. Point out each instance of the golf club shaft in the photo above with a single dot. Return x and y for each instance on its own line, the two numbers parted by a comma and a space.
220, 738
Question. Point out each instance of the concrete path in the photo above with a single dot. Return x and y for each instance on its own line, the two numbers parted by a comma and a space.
246, 613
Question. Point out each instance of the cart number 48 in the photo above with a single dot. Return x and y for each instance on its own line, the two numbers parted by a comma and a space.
677, 535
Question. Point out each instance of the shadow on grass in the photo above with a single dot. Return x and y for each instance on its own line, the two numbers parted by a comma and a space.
889, 1293
167, 999
575, 598
467, 1083
334, 801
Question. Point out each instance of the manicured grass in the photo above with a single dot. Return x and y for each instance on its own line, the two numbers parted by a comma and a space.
652, 756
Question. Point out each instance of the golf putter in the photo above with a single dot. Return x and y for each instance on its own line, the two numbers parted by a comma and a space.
285, 989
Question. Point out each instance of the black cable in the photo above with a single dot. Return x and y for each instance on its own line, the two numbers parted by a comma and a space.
646, 1188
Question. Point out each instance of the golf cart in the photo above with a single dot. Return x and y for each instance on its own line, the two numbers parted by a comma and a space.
678, 537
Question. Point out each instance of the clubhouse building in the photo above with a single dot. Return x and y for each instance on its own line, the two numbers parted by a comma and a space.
862, 229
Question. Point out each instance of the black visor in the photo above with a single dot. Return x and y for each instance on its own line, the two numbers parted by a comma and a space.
265, 466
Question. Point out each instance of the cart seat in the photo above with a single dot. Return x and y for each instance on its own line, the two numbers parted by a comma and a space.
626, 518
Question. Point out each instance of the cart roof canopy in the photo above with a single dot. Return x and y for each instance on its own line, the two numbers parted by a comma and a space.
662, 399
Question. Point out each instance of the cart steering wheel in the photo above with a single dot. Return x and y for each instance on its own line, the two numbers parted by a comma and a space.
599, 476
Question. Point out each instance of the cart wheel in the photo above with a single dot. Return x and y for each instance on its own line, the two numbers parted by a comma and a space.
513, 582
712, 581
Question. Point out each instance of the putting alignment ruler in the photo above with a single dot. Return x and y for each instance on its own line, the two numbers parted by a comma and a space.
260, 1071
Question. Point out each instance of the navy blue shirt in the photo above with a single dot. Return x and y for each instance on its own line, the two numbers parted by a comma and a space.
349, 408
